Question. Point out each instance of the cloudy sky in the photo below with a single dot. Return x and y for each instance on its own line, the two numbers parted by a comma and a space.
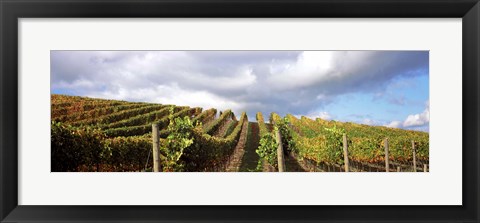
389, 88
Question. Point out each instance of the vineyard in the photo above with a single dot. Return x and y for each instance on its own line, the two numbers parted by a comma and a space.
90, 134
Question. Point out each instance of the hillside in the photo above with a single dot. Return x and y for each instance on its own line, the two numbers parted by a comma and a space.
109, 135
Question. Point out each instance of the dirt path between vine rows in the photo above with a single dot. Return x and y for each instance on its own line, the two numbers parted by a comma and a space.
223, 129
293, 165
250, 158
236, 158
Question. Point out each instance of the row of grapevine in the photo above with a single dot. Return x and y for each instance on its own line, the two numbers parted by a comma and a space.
190, 112
112, 136
223, 129
209, 152
283, 125
119, 115
95, 113
146, 128
228, 128
205, 116
321, 141
109, 135
212, 127
142, 119
59, 101
90, 150
75, 106
261, 124
267, 149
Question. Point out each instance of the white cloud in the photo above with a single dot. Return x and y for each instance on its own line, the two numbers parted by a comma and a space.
325, 115
314, 115
368, 121
414, 121
79, 83
281, 81
322, 97
418, 119
176, 96
344, 71
394, 124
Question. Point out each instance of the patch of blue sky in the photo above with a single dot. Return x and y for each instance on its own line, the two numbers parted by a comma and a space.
63, 91
402, 97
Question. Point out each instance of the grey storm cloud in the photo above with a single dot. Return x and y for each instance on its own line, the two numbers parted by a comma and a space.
294, 82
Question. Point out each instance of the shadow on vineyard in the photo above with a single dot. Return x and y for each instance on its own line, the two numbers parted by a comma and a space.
90, 134
293, 165
250, 157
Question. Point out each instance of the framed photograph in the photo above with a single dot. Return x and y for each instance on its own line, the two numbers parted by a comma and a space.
228, 111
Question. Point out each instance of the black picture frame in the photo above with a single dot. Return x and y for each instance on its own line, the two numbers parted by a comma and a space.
12, 10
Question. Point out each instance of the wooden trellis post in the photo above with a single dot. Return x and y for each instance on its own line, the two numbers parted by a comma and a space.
414, 157
156, 148
387, 166
280, 156
425, 168
345, 153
